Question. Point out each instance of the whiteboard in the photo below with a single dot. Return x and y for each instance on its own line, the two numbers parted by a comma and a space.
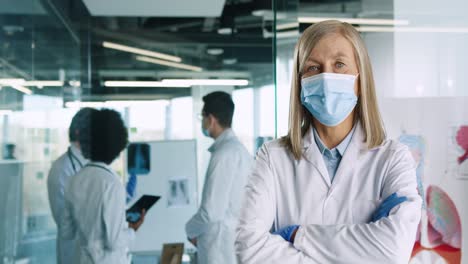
170, 160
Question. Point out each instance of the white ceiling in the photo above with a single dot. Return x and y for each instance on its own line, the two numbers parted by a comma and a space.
23, 7
155, 8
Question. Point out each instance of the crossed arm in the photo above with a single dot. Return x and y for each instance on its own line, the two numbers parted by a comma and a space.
387, 240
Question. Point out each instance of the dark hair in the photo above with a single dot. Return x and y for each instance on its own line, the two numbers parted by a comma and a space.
221, 106
80, 123
108, 136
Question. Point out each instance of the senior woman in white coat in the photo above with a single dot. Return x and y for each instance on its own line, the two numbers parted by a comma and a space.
334, 190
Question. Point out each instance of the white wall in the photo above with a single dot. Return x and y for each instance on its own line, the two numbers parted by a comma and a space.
411, 74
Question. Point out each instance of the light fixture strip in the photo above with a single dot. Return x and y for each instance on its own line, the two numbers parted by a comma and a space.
288, 34
356, 21
23, 82
287, 26
141, 84
170, 64
11, 81
127, 103
115, 103
180, 83
74, 104
208, 82
414, 29
21, 89
111, 45
43, 83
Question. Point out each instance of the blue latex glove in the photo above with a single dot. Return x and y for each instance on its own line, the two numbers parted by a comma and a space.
133, 217
387, 205
131, 186
286, 232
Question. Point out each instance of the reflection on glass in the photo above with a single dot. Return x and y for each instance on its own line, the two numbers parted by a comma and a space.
60, 56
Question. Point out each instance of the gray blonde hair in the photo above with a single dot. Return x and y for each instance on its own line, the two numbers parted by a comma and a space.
367, 111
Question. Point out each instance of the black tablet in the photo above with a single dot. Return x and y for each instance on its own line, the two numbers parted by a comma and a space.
145, 202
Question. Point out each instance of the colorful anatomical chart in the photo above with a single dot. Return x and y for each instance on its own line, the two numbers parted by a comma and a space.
462, 141
417, 147
460, 161
439, 233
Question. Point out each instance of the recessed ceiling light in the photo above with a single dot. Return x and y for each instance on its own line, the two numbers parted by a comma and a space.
260, 12
12, 29
230, 61
450, 83
225, 31
74, 83
215, 51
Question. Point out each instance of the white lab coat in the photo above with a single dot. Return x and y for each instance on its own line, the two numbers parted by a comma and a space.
215, 221
333, 217
60, 173
95, 215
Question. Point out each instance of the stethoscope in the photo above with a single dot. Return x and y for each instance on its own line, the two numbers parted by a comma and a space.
72, 157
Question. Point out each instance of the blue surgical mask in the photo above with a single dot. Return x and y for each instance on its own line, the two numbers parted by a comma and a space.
329, 97
205, 132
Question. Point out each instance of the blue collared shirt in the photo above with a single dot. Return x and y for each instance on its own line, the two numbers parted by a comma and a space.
332, 157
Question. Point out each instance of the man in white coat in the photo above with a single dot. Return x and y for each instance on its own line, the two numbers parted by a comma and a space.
60, 173
212, 228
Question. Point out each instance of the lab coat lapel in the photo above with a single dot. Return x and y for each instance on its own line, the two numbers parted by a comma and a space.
312, 154
351, 155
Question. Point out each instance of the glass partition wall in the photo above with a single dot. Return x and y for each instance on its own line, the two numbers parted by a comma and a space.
151, 62
39, 55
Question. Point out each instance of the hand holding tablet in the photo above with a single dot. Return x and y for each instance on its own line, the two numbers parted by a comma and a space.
134, 213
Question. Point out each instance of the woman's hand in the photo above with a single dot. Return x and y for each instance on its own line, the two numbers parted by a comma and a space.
387, 205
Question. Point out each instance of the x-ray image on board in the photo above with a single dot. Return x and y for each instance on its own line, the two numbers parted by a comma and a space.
138, 157
178, 193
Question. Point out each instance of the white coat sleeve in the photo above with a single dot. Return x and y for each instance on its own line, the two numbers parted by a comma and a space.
117, 233
389, 240
215, 199
68, 225
55, 193
254, 242
59, 172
